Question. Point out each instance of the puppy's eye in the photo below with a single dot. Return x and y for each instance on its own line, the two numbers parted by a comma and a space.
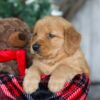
35, 34
50, 36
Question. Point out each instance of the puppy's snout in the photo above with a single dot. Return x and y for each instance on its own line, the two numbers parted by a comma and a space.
36, 47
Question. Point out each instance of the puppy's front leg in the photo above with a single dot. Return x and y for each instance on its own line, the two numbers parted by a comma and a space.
31, 80
59, 77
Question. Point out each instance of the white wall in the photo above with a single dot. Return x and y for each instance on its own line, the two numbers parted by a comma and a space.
87, 22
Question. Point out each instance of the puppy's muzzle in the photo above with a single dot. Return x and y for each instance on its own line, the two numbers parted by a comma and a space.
36, 47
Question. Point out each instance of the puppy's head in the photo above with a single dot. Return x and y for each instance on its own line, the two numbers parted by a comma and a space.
53, 34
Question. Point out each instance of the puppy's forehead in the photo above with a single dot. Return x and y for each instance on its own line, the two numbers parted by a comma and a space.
51, 23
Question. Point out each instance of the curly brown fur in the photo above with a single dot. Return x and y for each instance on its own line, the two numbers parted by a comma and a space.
14, 34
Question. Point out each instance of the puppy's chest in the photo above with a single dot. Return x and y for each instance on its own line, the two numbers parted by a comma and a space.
45, 66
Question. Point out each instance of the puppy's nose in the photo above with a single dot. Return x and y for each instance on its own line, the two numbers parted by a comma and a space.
22, 36
36, 47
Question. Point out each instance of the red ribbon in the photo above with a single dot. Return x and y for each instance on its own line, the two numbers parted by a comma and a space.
19, 55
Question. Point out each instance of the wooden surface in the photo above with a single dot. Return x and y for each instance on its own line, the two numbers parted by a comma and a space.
87, 22
94, 93
68, 7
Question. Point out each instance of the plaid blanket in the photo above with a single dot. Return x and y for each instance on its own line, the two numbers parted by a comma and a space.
11, 89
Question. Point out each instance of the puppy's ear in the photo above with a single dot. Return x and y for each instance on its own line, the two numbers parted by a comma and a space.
71, 40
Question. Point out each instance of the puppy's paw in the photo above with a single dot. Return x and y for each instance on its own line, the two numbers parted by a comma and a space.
30, 86
56, 85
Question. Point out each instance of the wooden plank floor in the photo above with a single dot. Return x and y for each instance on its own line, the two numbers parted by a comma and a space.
87, 22
94, 93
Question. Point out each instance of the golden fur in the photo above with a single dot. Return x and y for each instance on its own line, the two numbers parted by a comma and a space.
60, 55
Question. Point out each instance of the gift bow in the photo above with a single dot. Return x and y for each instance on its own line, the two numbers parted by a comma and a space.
18, 55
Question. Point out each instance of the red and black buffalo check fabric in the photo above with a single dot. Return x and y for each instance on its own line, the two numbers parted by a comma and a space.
11, 89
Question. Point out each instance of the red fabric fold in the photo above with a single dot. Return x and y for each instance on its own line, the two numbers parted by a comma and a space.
18, 55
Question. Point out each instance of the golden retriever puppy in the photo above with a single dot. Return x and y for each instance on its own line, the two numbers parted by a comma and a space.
55, 46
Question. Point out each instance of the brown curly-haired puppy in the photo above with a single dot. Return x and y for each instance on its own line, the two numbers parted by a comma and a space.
55, 46
14, 35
